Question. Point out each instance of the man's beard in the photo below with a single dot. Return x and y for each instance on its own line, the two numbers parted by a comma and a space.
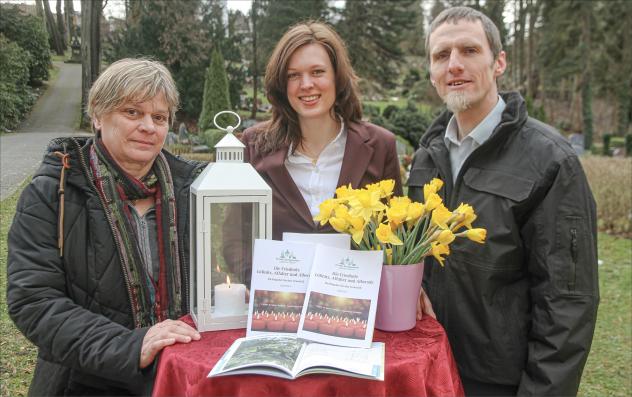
457, 102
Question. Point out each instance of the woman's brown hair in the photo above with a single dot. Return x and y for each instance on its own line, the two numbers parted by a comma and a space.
283, 128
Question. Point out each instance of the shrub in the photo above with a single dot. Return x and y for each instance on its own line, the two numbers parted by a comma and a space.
15, 95
216, 97
410, 123
370, 111
609, 179
606, 144
628, 145
211, 137
29, 33
382, 122
389, 111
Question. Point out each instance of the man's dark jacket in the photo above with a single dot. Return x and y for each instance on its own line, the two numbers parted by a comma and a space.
519, 310
76, 309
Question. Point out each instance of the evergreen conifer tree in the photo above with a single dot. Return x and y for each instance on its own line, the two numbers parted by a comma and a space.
216, 97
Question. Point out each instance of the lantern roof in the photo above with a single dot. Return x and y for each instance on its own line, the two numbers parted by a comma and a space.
229, 141
230, 178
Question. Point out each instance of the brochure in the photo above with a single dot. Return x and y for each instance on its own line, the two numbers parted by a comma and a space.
280, 271
337, 240
341, 297
288, 357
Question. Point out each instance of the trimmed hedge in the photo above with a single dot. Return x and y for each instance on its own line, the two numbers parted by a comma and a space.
16, 97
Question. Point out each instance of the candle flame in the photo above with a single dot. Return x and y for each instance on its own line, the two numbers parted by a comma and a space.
228, 280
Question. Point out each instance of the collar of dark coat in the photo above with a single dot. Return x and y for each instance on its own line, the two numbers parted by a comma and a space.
513, 118
358, 154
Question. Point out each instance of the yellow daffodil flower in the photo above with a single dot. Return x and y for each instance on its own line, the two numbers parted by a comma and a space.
437, 249
433, 201
385, 235
398, 223
445, 237
339, 224
365, 203
396, 215
344, 192
465, 217
440, 215
386, 187
403, 200
432, 188
356, 228
326, 211
415, 211
477, 235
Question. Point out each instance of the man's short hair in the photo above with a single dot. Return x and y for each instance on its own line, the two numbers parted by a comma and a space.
132, 80
456, 14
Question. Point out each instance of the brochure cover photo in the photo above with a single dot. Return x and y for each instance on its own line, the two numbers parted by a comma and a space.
280, 272
341, 297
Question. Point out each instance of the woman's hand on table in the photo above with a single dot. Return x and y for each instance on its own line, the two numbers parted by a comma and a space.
424, 306
163, 334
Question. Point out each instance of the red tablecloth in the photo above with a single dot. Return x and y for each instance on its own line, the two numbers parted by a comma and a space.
419, 362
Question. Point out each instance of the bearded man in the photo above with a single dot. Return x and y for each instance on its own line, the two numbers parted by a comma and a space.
520, 309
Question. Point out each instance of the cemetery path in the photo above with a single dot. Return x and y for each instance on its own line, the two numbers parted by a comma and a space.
55, 114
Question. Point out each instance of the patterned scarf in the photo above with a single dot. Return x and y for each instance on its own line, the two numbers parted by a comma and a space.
152, 300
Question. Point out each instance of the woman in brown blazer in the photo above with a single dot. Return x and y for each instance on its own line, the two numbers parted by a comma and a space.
316, 140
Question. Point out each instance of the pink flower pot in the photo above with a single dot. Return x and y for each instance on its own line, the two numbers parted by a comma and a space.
398, 296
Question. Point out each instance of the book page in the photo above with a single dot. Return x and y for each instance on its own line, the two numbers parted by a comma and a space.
260, 355
280, 271
337, 240
320, 358
341, 297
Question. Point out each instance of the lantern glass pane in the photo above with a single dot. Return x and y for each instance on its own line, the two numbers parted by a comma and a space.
234, 227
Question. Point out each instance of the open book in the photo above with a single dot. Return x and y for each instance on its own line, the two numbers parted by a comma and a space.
288, 357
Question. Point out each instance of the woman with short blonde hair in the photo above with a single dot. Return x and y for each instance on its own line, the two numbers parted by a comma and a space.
98, 249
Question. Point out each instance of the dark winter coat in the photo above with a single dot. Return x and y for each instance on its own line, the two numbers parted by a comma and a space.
519, 310
76, 309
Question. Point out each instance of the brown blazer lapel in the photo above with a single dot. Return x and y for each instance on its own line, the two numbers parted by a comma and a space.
274, 166
357, 156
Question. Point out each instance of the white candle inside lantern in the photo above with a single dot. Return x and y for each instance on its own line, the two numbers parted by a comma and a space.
230, 298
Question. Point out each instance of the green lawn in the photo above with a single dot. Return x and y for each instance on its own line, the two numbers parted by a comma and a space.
607, 372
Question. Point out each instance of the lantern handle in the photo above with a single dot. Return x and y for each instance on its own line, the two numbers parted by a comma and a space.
230, 128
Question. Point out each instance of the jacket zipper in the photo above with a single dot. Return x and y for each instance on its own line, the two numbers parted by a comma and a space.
111, 223
571, 282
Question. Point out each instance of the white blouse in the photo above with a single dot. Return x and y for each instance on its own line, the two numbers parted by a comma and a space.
317, 180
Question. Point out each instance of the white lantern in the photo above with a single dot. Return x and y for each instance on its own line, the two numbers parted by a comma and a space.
231, 206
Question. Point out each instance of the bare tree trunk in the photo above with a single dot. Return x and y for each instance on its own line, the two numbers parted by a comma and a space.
255, 71
624, 97
39, 8
61, 27
90, 50
53, 33
534, 12
520, 44
69, 13
587, 116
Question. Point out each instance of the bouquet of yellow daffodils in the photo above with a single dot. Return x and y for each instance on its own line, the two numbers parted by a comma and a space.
406, 231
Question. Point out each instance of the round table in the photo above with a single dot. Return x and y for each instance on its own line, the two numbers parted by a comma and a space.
419, 362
